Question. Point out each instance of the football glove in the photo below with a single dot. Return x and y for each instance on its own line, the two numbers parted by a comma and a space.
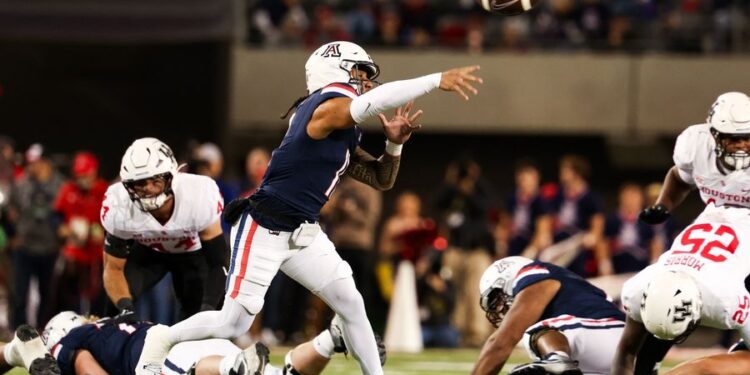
234, 210
655, 214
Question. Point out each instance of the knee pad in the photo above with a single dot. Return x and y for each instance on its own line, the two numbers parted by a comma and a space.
534, 337
251, 303
236, 318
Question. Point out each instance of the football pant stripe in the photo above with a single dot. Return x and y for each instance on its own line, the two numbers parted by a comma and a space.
245, 258
235, 249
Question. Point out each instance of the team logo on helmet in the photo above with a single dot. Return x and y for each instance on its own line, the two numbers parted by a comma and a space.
332, 51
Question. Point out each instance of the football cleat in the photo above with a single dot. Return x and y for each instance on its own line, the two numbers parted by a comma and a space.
46, 365
552, 363
251, 361
155, 350
336, 329
28, 351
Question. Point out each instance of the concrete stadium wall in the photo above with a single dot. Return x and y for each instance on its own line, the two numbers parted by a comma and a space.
609, 95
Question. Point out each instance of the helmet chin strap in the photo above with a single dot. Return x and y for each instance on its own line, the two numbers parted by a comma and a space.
153, 203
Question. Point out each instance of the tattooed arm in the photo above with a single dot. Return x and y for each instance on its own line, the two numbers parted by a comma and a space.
379, 173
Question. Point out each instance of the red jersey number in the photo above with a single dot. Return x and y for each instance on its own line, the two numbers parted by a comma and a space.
724, 240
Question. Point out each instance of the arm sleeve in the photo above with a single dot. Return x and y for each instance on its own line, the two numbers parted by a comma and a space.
116, 246
216, 252
391, 95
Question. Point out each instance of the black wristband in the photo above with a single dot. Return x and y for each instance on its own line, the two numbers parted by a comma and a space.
125, 303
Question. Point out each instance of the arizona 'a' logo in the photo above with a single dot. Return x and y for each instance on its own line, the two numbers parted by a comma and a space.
332, 51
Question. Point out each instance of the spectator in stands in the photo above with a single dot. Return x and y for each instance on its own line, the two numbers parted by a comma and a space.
35, 246
279, 22
527, 212
79, 202
578, 210
325, 27
7, 180
256, 163
437, 299
463, 203
629, 242
211, 154
389, 28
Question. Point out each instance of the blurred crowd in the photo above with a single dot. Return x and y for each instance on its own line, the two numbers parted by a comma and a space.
51, 239
683, 26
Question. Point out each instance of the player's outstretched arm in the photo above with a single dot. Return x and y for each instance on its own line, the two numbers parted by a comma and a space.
630, 343
527, 309
342, 113
674, 191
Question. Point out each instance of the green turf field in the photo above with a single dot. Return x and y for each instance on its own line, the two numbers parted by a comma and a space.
447, 362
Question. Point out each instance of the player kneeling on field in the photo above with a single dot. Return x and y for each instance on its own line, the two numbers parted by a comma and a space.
567, 325
699, 281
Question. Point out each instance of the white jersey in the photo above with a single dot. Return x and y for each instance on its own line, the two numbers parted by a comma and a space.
715, 251
197, 204
695, 159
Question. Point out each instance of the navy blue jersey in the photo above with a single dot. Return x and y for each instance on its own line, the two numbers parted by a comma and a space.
303, 172
629, 242
524, 214
116, 347
576, 297
573, 214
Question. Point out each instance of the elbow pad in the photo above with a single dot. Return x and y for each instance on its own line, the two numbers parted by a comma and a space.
391, 95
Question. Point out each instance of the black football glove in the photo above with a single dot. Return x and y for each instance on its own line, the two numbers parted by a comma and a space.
655, 214
234, 210
127, 313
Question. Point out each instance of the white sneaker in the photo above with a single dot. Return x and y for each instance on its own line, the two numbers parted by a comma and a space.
251, 361
156, 347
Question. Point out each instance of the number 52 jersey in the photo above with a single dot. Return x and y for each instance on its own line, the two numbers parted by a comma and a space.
715, 251
197, 204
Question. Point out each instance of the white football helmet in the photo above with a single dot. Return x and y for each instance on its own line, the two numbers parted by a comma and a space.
496, 287
333, 63
729, 116
148, 158
59, 326
671, 306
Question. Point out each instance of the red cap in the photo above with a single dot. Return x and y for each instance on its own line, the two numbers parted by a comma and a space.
85, 163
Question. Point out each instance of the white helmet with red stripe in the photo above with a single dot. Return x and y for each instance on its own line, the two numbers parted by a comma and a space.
333, 63
496, 287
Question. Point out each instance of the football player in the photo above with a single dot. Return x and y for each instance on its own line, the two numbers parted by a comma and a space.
158, 221
110, 346
27, 350
712, 157
567, 325
699, 281
276, 228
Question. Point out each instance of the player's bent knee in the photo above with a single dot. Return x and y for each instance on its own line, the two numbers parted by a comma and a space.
536, 335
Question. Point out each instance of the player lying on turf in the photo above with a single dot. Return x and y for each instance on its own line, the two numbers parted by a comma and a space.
699, 281
567, 325
108, 346
27, 350
736, 362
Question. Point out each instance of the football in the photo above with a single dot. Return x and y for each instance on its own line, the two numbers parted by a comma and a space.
507, 7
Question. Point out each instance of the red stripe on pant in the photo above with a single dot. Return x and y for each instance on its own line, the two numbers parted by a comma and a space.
245, 256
